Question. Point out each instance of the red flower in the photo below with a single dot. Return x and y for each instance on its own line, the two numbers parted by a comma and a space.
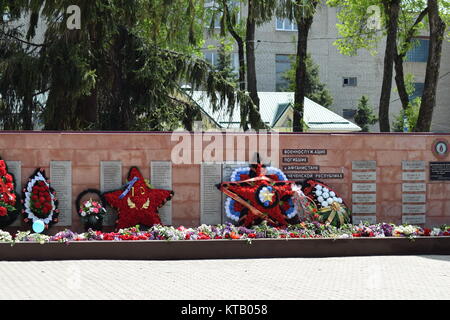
2, 171
252, 235
356, 235
9, 178
2, 164
3, 212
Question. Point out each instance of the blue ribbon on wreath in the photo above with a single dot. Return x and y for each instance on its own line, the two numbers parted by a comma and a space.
128, 187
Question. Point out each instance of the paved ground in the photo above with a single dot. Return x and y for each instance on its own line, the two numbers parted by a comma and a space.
408, 277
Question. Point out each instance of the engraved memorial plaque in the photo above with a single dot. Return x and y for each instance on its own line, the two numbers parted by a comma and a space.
414, 198
413, 176
365, 208
414, 208
15, 168
364, 198
419, 219
61, 181
364, 176
364, 219
364, 165
440, 171
227, 171
414, 187
413, 165
211, 197
161, 178
110, 180
364, 187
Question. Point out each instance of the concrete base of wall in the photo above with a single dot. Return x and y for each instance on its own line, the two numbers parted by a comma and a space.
224, 249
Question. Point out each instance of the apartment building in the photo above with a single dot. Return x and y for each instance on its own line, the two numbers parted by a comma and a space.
348, 78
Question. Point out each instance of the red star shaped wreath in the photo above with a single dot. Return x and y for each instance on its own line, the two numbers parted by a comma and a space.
137, 203
259, 193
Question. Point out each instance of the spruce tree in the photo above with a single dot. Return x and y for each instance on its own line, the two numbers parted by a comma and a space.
364, 115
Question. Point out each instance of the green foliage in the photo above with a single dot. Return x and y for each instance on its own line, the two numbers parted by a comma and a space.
121, 71
225, 63
412, 115
364, 115
314, 88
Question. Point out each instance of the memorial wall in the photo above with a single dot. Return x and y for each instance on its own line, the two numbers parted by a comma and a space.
382, 177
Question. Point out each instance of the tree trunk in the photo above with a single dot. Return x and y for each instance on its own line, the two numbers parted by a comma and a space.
437, 30
242, 65
252, 85
27, 113
304, 25
392, 9
399, 58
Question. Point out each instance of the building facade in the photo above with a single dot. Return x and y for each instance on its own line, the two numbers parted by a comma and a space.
347, 78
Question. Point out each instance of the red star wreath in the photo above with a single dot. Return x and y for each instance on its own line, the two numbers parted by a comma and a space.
259, 195
137, 203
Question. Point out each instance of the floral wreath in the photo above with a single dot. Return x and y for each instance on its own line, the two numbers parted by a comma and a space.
39, 198
258, 193
9, 204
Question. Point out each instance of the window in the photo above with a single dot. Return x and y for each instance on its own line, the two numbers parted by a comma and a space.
350, 82
419, 53
286, 25
213, 58
418, 91
349, 113
283, 64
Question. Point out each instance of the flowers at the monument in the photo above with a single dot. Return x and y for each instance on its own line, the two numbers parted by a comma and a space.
8, 197
229, 232
40, 202
91, 208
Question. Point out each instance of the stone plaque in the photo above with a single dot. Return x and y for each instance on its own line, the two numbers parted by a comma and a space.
364, 198
61, 181
364, 176
364, 187
364, 219
161, 178
414, 187
295, 160
365, 208
414, 208
414, 198
413, 176
413, 165
211, 197
420, 219
15, 168
301, 168
304, 152
440, 171
110, 180
364, 165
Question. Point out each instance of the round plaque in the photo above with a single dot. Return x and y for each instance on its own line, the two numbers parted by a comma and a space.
441, 148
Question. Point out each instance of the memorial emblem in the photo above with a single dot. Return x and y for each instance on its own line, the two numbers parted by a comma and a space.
441, 148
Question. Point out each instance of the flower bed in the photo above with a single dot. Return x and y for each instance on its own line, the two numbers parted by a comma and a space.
305, 230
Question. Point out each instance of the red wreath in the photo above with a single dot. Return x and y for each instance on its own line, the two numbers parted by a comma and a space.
138, 204
260, 197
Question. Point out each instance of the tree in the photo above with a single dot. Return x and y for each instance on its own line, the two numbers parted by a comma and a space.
121, 71
314, 88
258, 12
302, 12
408, 117
364, 115
402, 21
437, 31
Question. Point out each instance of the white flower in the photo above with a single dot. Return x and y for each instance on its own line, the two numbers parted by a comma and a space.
436, 232
326, 190
88, 204
320, 199
332, 194
83, 214
319, 187
339, 200
325, 204
318, 193
325, 195
330, 201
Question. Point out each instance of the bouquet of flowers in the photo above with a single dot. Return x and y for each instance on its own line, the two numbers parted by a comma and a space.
8, 197
92, 213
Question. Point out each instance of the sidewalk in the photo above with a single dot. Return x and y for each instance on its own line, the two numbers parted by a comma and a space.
398, 277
